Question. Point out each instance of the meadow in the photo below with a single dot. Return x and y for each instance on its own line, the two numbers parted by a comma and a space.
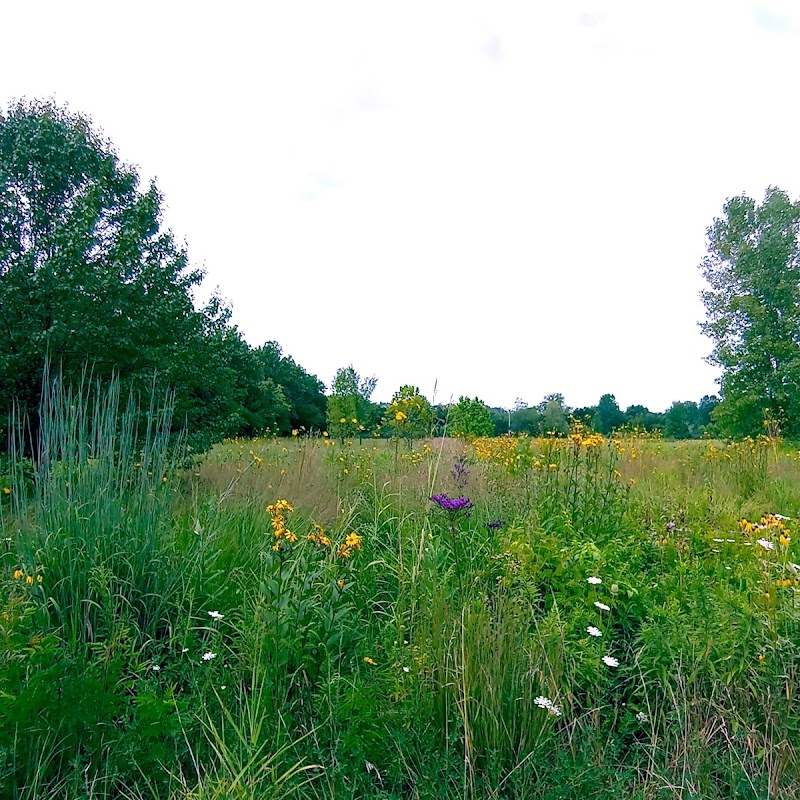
503, 618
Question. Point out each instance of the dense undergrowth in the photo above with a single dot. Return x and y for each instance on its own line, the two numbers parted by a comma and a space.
603, 618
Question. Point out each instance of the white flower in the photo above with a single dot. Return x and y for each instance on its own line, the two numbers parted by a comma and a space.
185, 650
594, 580
732, 541
610, 661
766, 544
223, 687
548, 704
780, 516
208, 656
155, 668
719, 540
602, 606
216, 615
406, 669
641, 716
592, 631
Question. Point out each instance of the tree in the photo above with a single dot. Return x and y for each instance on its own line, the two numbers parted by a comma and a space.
753, 312
409, 415
350, 411
304, 392
608, 415
86, 272
470, 418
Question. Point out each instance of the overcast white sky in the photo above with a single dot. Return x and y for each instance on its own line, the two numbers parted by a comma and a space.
507, 198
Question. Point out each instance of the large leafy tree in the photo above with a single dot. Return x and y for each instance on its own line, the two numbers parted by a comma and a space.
753, 312
87, 274
350, 411
470, 418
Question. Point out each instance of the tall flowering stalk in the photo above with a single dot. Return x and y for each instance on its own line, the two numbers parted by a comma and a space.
456, 508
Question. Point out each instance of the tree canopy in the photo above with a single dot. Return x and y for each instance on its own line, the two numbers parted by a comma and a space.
753, 312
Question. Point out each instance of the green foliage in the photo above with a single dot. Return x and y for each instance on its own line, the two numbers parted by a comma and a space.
608, 415
409, 415
753, 312
470, 418
350, 412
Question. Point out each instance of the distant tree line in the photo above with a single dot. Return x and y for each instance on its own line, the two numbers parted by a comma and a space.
91, 283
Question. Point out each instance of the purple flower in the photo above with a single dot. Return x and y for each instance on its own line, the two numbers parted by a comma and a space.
460, 472
451, 503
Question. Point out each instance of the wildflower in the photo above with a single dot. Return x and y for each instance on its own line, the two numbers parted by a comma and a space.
785, 539
155, 668
641, 717
400, 416
594, 580
549, 705
325, 434
29, 580
6, 490
295, 432
592, 631
406, 669
354, 421
368, 660
766, 544
208, 656
610, 661
602, 606
342, 421
18, 573
340, 583
781, 517
38, 579
216, 615
185, 650
452, 503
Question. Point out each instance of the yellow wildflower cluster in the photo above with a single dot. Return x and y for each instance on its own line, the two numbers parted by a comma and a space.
786, 582
19, 575
774, 523
280, 512
581, 437
318, 536
352, 542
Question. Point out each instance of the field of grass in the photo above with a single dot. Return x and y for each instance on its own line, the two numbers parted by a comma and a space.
603, 618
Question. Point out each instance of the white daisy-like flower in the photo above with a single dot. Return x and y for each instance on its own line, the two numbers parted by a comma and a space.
543, 702
216, 615
592, 631
641, 716
594, 580
795, 567
731, 541
406, 669
155, 668
185, 650
780, 516
610, 661
554, 711
766, 544
719, 540
208, 656
602, 606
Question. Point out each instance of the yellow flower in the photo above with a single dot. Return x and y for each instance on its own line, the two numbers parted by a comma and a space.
342, 420
38, 579
400, 416
324, 433
785, 539
6, 490
370, 661
354, 421
353, 540
340, 583
18, 574
294, 432
29, 580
